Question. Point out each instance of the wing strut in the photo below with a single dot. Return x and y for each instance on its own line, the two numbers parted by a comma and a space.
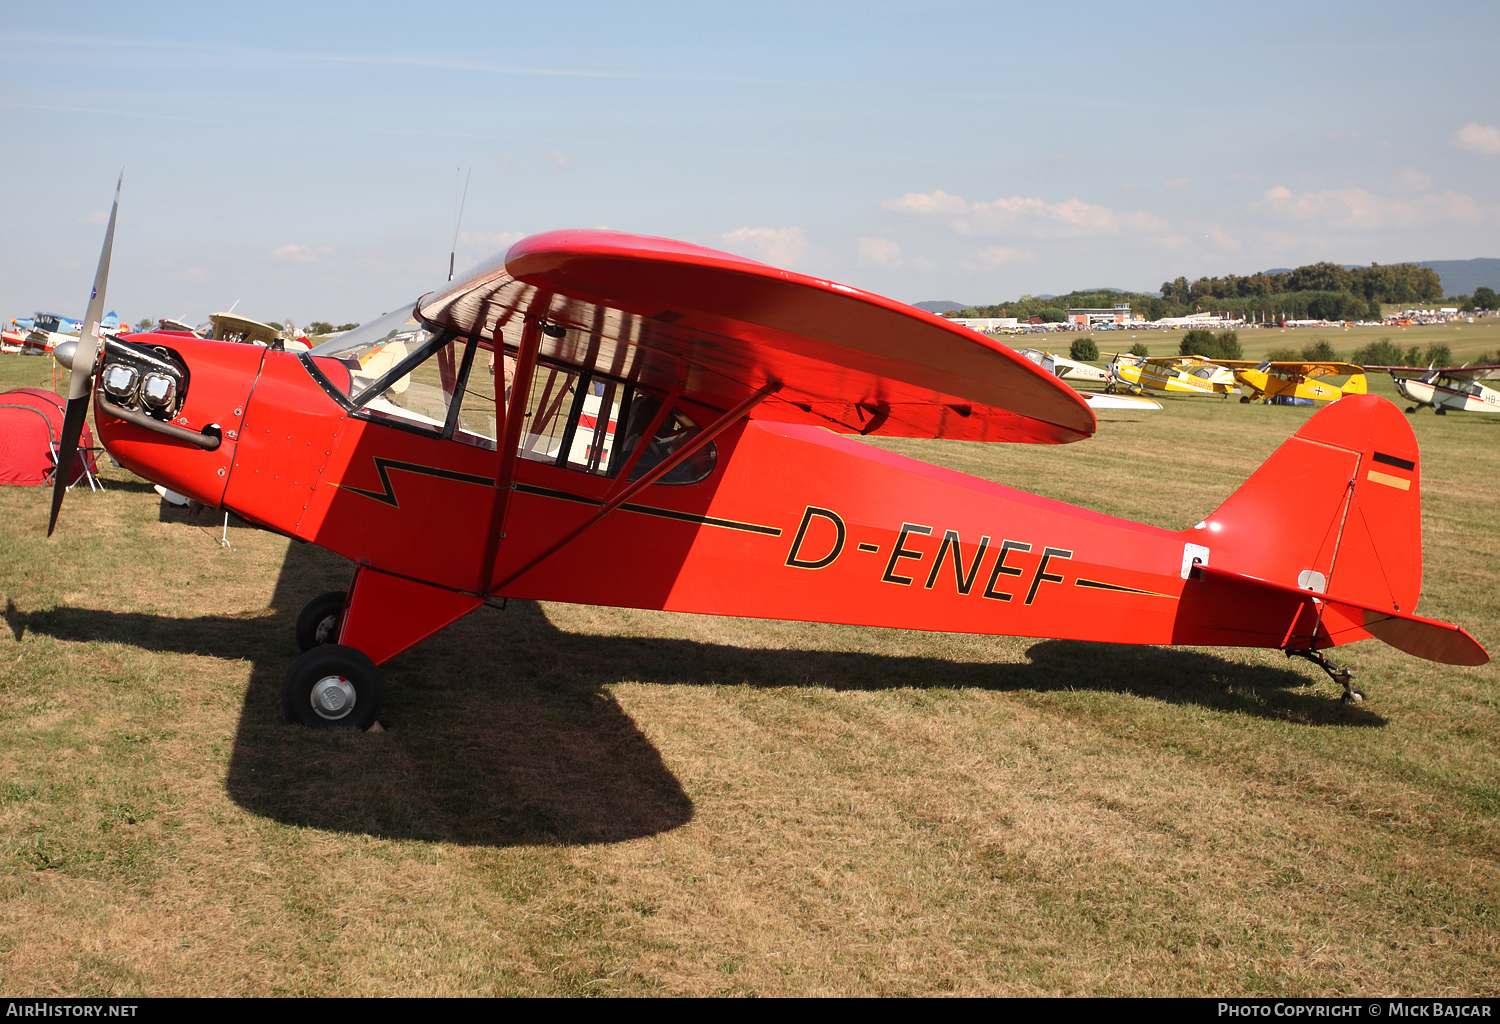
656, 472
512, 415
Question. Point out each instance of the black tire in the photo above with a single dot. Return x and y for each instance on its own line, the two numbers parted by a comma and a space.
318, 624
1410, 409
351, 695
1440, 411
1244, 399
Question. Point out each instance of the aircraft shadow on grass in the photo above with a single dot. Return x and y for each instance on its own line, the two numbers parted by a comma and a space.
501, 730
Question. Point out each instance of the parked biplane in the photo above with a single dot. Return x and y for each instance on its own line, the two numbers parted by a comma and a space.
228, 327
1181, 375
1453, 387
610, 419
1295, 382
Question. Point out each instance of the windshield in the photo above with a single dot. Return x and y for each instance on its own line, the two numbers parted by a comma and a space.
369, 351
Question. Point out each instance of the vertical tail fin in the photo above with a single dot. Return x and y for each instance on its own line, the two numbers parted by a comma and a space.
1336, 511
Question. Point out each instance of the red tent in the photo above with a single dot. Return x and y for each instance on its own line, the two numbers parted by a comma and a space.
30, 422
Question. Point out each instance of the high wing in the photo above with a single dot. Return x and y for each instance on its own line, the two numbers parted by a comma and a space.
1293, 367
1451, 372
1172, 360
227, 326
666, 314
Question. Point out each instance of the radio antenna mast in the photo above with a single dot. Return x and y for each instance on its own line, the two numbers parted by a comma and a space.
458, 216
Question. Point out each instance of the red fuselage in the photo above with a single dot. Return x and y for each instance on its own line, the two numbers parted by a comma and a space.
794, 522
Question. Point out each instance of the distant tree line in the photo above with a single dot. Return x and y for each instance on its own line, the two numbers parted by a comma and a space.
1318, 291
1400, 282
324, 327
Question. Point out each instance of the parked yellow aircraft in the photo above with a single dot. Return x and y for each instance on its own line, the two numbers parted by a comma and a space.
1185, 375
1295, 383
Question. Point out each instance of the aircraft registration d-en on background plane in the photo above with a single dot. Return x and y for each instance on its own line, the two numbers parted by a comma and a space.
603, 418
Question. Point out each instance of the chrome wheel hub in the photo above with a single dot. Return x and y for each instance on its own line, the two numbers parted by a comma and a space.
333, 697
326, 628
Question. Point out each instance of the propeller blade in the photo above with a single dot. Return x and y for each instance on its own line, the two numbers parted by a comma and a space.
80, 382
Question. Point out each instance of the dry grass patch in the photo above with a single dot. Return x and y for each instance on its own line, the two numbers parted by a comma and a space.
576, 800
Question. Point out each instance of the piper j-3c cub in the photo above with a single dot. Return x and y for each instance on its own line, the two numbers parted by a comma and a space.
1454, 387
1295, 383
1178, 375
609, 419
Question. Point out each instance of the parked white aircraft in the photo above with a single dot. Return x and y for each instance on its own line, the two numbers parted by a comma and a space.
1455, 388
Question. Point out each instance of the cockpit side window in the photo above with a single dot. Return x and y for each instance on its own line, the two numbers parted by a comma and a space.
395, 370
675, 431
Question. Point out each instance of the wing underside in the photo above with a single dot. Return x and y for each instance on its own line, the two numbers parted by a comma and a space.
664, 314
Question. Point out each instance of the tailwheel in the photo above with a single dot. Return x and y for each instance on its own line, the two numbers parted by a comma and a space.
1338, 673
333, 686
318, 622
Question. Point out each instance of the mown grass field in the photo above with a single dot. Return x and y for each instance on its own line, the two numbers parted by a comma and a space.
576, 800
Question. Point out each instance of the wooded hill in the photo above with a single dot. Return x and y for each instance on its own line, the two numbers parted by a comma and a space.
1317, 291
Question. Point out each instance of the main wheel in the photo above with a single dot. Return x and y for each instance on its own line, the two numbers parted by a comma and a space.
1440, 411
333, 686
1244, 399
319, 622
1410, 409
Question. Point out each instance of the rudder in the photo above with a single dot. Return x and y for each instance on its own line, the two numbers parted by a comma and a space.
1336, 509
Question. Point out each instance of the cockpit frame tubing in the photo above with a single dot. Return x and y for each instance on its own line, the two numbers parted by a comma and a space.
622, 478
511, 414
656, 472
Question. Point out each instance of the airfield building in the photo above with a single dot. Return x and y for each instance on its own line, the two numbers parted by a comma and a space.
1119, 314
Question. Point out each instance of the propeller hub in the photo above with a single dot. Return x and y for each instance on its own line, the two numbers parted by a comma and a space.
63, 353
333, 698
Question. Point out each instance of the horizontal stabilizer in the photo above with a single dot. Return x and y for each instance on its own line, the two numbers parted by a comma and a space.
1335, 618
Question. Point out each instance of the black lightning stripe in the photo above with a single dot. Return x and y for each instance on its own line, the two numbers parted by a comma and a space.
1096, 585
648, 510
388, 496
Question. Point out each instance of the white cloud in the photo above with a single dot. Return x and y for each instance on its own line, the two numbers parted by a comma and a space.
1412, 180
299, 253
490, 241
1478, 138
995, 255
1071, 218
1246, 179
1358, 208
1179, 184
98, 218
558, 160
926, 202
781, 247
1220, 238
879, 252
1027, 215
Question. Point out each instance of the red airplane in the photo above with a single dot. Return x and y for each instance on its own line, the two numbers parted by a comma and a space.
609, 419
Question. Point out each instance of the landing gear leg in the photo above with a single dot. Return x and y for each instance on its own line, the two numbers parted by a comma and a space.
1341, 675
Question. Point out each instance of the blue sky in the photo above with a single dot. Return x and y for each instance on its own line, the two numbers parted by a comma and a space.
301, 158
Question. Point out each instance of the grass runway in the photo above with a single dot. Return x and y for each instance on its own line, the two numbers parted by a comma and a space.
571, 800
